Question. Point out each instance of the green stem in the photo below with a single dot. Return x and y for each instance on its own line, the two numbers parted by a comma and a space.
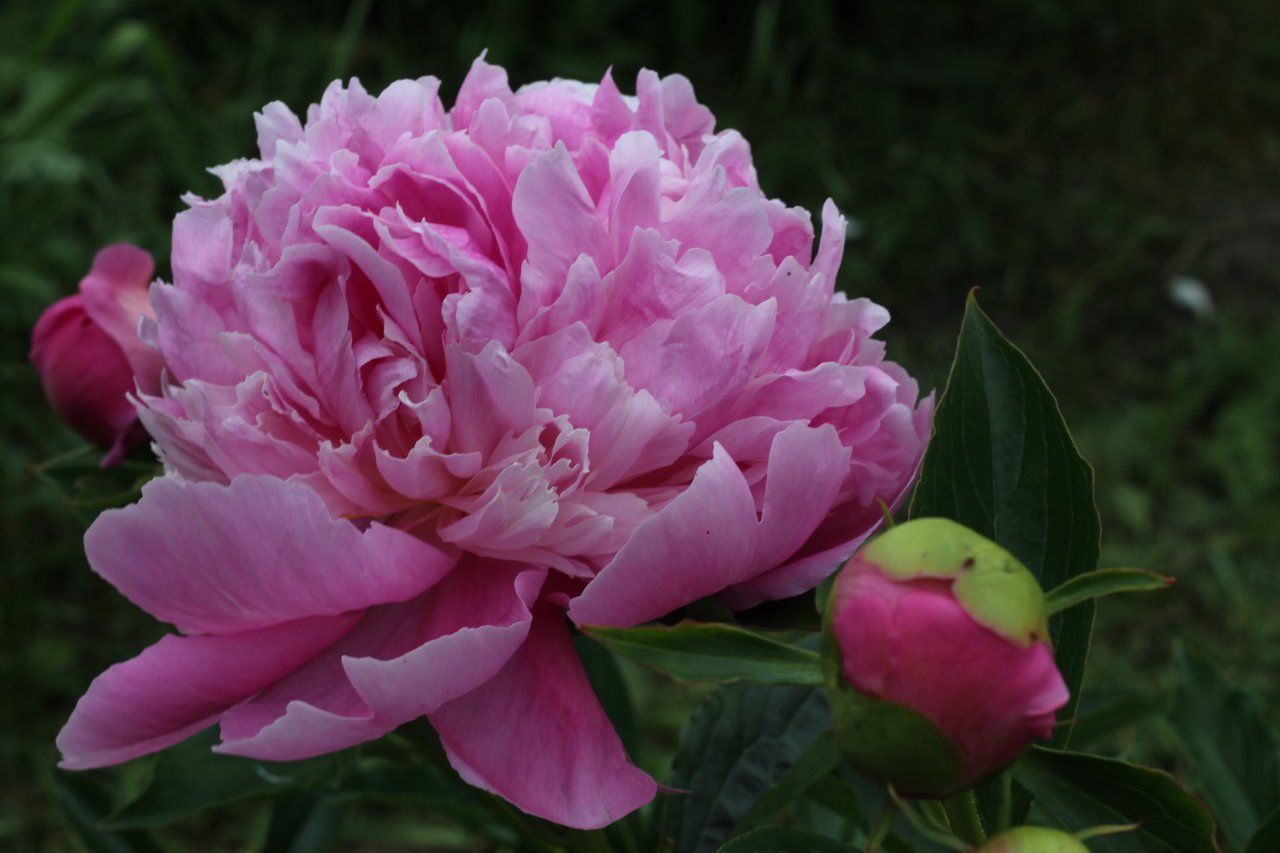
883, 825
1006, 802
962, 811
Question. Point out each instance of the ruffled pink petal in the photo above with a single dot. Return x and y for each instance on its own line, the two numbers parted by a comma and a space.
556, 215
701, 357
630, 432
202, 254
276, 123
483, 82
711, 536
260, 551
183, 684
491, 397
656, 280
406, 107
536, 735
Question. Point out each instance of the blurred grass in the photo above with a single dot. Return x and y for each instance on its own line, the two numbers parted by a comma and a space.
1071, 158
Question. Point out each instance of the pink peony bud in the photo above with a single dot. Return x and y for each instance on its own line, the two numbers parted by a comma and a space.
89, 356
938, 661
1034, 839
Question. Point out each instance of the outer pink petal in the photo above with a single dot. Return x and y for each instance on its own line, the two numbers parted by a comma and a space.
402, 661
220, 559
710, 536
536, 735
183, 684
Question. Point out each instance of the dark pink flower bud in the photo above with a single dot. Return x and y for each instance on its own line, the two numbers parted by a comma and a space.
88, 353
938, 661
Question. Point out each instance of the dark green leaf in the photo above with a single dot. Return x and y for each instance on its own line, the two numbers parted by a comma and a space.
430, 787
694, 651
1267, 838
1231, 745
1102, 582
306, 822
1081, 791
189, 778
1003, 463
89, 486
839, 796
84, 805
797, 613
609, 687
822, 756
1109, 714
782, 839
738, 743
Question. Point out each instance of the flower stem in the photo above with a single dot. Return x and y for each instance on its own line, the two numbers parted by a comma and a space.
883, 825
962, 811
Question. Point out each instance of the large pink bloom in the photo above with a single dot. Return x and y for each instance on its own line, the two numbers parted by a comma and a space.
437, 378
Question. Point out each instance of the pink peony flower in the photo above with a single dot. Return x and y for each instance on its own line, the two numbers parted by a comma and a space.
940, 670
439, 378
88, 353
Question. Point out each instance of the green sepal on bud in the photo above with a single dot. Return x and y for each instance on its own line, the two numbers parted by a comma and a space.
989, 582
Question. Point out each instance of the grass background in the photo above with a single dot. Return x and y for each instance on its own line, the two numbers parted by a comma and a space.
1071, 158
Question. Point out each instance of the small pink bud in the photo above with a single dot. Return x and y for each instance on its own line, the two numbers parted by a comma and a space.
89, 356
938, 664
1033, 839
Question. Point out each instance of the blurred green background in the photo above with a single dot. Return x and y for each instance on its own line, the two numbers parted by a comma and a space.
1084, 162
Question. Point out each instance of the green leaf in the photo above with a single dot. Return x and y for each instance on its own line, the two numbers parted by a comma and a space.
694, 651
306, 822
1102, 582
88, 485
1267, 838
1231, 745
84, 805
1079, 791
822, 757
740, 741
1003, 463
1111, 713
189, 779
431, 787
783, 839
